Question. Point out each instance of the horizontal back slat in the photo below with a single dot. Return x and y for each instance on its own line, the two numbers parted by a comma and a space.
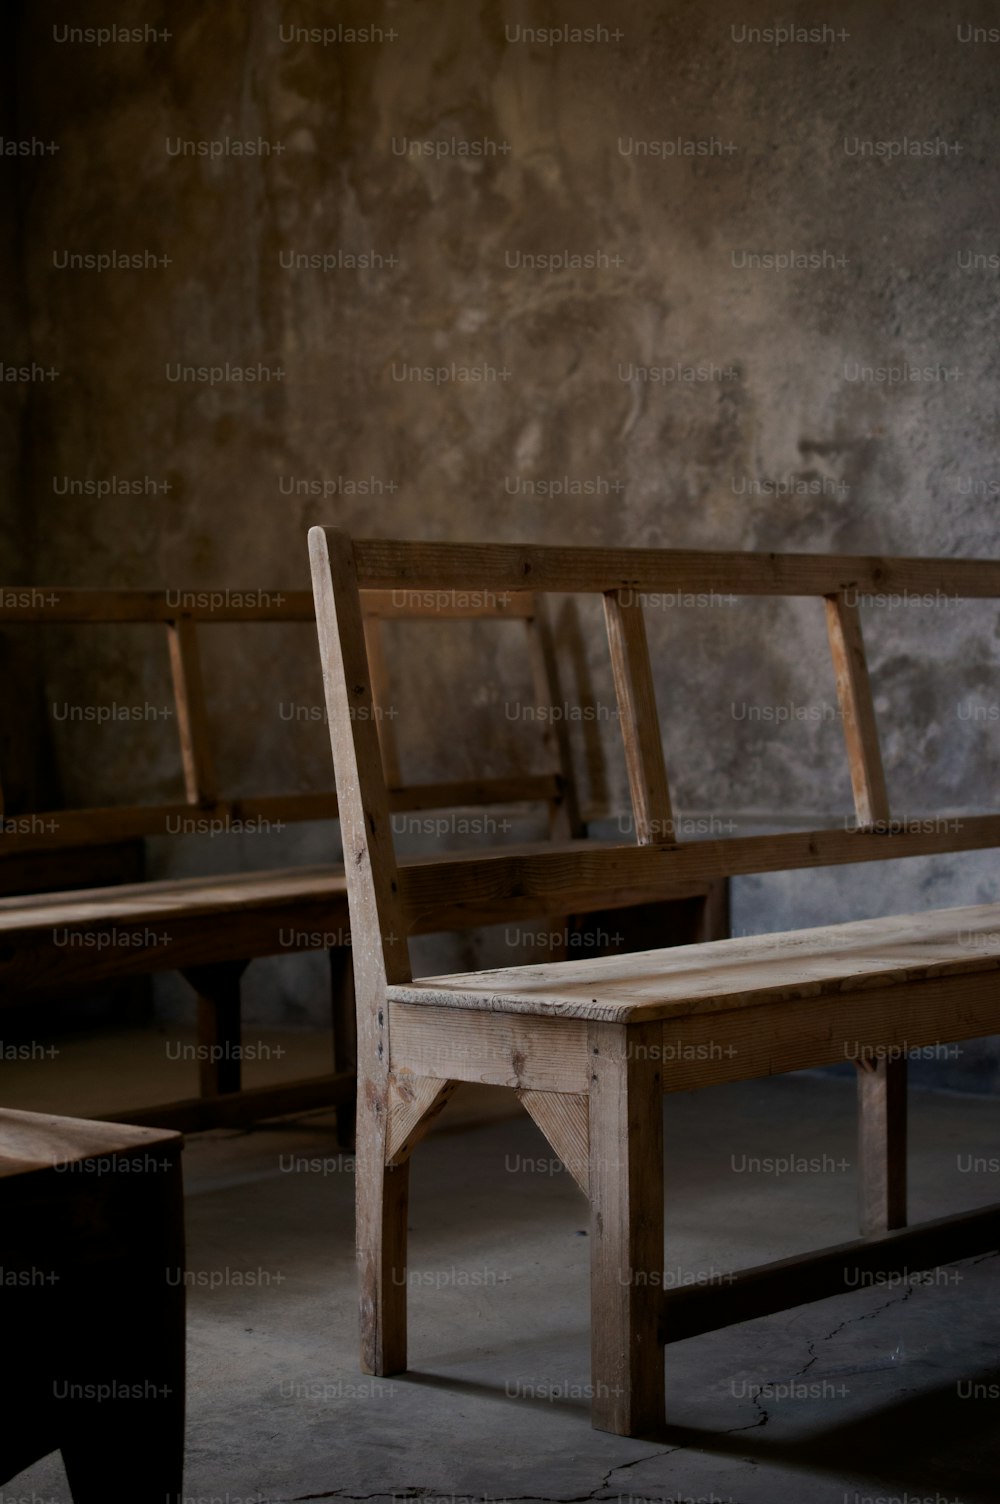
597, 875
56, 604
465, 567
26, 604
93, 827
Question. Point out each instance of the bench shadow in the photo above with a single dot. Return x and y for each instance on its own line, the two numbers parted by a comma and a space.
935, 1444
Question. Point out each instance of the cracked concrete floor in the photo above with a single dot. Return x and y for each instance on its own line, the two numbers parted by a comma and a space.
871, 1395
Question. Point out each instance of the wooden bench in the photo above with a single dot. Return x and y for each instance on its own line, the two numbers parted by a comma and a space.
209, 928
92, 1305
591, 1045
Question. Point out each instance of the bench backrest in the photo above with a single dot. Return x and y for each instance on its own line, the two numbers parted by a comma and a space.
388, 900
184, 613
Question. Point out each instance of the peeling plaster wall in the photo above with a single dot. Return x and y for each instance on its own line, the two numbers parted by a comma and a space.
781, 447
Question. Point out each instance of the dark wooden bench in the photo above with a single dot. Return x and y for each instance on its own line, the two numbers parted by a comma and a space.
92, 1305
209, 928
589, 1045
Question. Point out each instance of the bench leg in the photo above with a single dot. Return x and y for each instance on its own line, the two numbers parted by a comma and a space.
626, 1228
219, 1027
382, 1197
881, 1145
345, 1033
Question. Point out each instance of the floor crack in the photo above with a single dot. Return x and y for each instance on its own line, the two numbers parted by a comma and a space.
416, 1494
897, 1300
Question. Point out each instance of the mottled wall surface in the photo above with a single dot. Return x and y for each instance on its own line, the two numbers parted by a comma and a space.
677, 386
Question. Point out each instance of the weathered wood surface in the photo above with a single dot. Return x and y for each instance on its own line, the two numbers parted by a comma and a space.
827, 962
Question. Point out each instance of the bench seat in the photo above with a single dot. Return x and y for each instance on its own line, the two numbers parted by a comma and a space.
38, 1141
47, 940
729, 974
148, 902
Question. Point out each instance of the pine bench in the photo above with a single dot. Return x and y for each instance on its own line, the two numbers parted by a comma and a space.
210, 927
590, 1045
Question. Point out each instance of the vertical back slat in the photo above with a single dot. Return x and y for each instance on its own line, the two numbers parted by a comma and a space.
192, 717
850, 666
381, 698
566, 823
378, 924
647, 773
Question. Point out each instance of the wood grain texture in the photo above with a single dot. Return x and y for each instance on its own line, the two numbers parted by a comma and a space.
192, 713
626, 1229
414, 1104
827, 1029
565, 821
640, 725
385, 723
881, 1144
169, 898
561, 878
829, 961
31, 1141
854, 692
564, 1118
388, 563
498, 1049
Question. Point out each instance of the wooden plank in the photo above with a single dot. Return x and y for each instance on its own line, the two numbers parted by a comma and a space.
61, 604
57, 829
71, 957
847, 647
179, 898
378, 929
540, 1054
414, 1105
378, 920
626, 1229
640, 725
565, 820
563, 1117
31, 1141
192, 714
836, 959
594, 874
684, 573
382, 700
52, 829
708, 1049
881, 1144
752, 1293
714, 920
239, 1109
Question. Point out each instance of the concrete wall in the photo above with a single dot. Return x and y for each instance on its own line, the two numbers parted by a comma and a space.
445, 151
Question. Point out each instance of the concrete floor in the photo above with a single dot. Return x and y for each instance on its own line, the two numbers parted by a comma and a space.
863, 1397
